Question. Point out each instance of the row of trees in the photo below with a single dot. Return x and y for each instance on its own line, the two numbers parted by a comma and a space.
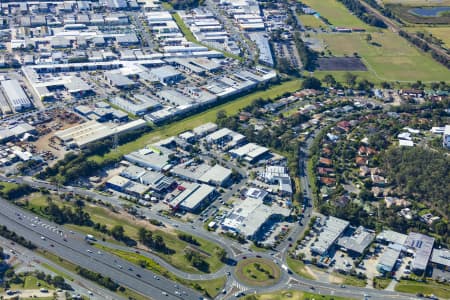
17, 192
185, 4
13, 278
107, 282
153, 241
307, 56
197, 260
65, 214
188, 238
11, 235
360, 11
423, 45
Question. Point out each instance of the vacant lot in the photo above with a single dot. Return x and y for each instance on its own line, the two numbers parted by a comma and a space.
337, 14
388, 56
340, 64
311, 21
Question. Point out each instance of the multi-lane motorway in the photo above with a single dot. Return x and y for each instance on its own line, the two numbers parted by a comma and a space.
72, 247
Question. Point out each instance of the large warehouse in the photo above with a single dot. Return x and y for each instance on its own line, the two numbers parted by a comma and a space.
92, 131
16, 95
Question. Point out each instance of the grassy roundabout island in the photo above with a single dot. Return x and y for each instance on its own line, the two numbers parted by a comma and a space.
257, 272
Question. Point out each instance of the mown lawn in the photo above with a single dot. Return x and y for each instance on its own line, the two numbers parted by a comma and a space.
440, 32
299, 268
440, 290
381, 282
257, 272
352, 280
311, 21
387, 56
337, 14
231, 107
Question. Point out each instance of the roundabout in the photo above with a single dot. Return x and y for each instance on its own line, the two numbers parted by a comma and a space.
257, 272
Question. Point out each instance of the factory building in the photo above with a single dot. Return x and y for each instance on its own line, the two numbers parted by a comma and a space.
332, 230
16, 95
82, 135
193, 198
421, 247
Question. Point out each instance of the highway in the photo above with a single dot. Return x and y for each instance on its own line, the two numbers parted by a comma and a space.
50, 237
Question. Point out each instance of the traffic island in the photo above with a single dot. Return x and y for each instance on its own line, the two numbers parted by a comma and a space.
257, 272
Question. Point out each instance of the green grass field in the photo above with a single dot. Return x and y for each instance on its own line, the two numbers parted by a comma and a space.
426, 288
442, 33
337, 14
6, 186
293, 295
299, 268
381, 283
175, 128
311, 21
388, 57
419, 2
257, 272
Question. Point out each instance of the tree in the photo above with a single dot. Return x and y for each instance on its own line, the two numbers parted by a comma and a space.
329, 80
118, 232
312, 83
350, 79
221, 254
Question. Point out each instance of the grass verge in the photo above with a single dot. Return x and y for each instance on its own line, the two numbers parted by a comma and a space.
298, 267
440, 290
290, 294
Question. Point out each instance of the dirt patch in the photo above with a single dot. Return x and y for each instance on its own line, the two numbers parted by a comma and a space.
340, 64
335, 279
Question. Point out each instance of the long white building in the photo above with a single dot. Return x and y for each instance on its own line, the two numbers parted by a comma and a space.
16, 95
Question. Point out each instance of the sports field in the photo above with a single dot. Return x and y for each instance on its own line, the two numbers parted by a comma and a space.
337, 14
387, 56
311, 21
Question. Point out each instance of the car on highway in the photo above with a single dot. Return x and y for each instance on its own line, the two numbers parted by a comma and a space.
43, 238
138, 275
89, 250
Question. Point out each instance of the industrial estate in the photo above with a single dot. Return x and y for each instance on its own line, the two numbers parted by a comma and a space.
223, 149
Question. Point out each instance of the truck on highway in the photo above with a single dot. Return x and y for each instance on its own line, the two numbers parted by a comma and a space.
89, 238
